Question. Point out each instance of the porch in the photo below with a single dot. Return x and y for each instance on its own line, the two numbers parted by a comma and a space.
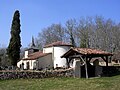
82, 57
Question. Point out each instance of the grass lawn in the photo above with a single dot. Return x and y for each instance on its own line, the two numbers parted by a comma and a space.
104, 83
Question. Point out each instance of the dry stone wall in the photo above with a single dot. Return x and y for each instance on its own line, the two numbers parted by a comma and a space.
35, 74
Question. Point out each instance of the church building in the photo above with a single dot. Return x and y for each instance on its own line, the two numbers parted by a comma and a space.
49, 58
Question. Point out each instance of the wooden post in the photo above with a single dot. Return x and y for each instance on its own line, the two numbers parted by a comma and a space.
106, 60
86, 69
67, 63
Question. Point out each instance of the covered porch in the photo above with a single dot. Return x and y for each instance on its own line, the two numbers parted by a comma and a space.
83, 56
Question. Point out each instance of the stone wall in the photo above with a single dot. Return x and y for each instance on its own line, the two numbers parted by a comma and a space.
35, 74
110, 70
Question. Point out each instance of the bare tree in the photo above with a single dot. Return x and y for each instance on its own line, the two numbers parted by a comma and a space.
4, 61
89, 32
85, 32
53, 33
70, 30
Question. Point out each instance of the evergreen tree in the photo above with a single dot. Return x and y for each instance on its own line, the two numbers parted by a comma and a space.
13, 49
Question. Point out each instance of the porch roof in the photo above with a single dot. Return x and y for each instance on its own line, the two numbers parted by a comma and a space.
86, 52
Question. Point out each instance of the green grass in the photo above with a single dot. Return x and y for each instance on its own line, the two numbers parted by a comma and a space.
104, 83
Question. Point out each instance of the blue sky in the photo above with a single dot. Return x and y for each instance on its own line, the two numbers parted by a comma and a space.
38, 14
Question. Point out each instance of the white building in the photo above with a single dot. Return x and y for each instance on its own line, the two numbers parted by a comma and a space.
50, 57
57, 49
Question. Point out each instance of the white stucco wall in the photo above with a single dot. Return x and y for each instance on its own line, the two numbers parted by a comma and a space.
48, 50
26, 54
57, 53
18, 63
31, 63
45, 62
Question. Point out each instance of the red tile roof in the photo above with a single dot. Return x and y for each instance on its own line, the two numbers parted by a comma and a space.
91, 51
35, 56
58, 43
35, 53
86, 51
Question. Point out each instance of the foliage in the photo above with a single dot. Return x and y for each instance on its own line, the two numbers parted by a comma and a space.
104, 83
13, 49
51, 34
3, 57
70, 30
90, 32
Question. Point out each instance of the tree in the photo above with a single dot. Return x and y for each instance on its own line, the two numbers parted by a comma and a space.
70, 30
90, 32
85, 32
4, 61
13, 49
51, 34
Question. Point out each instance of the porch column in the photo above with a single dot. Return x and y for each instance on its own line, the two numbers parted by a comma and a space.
67, 63
106, 60
86, 69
